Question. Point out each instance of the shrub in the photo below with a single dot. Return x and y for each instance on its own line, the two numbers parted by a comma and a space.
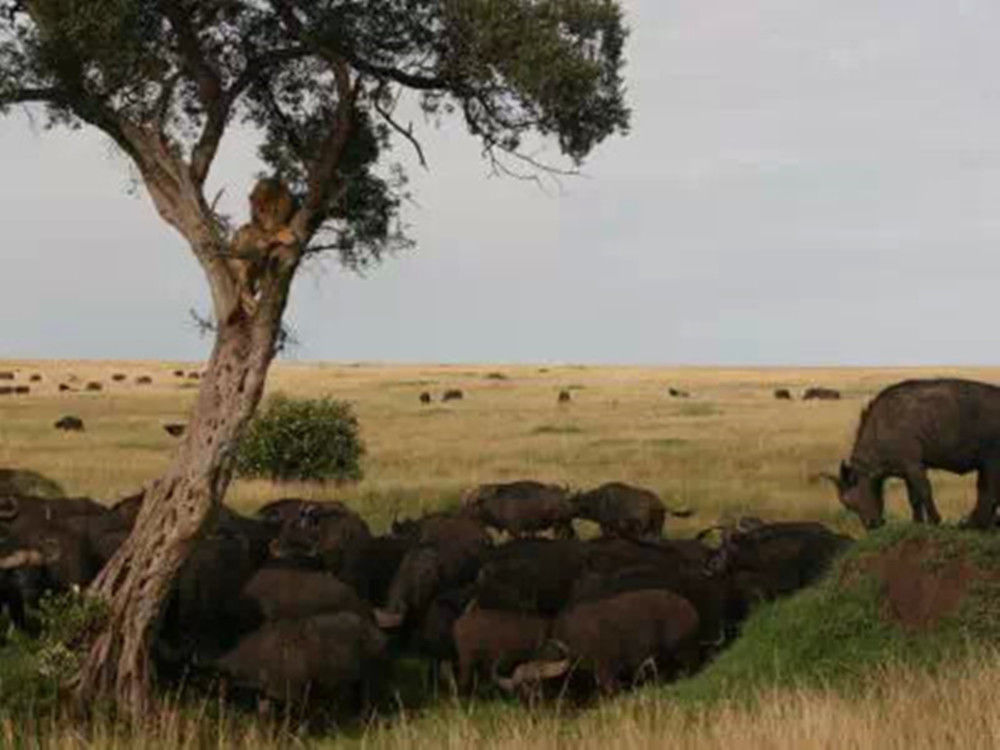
302, 439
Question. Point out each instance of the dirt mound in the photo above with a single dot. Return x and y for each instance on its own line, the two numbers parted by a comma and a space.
921, 585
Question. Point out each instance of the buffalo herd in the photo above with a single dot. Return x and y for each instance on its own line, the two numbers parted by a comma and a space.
303, 599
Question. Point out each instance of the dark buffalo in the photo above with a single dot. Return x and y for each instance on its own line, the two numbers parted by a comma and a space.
485, 637
370, 566
678, 393
916, 425
6, 375
821, 394
93, 385
143, 380
330, 657
531, 575
452, 394
6, 390
178, 373
782, 394
63, 388
615, 566
427, 570
35, 378
281, 592
522, 507
425, 398
763, 561
118, 377
69, 423
323, 531
433, 636
564, 397
611, 641
174, 429
22, 389
624, 510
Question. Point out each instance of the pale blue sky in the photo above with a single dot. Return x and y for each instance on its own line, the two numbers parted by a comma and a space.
807, 182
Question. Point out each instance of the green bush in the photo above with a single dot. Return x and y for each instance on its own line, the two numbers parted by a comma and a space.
302, 439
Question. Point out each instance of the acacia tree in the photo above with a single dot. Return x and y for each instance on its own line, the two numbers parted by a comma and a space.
319, 81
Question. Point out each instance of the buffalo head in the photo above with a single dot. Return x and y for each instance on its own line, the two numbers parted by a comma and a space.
860, 492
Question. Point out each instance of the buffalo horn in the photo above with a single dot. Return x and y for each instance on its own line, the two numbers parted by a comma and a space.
537, 671
388, 620
9, 508
20, 559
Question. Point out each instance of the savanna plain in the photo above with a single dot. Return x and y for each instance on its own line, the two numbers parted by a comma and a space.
729, 449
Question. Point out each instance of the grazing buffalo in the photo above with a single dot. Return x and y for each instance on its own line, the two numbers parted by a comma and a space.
425, 398
63, 388
485, 637
370, 566
143, 380
22, 389
175, 429
118, 377
624, 510
14, 482
6, 390
452, 394
178, 373
564, 397
916, 425
821, 394
193, 376
611, 641
782, 394
69, 423
330, 657
678, 393
35, 378
6, 375
93, 385
522, 507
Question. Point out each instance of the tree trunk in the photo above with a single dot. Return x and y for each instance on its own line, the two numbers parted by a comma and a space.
179, 506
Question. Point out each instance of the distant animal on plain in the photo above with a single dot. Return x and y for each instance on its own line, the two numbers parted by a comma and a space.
93, 385
678, 393
174, 429
783, 394
425, 398
193, 376
118, 377
948, 423
6, 390
69, 423
6, 375
564, 397
35, 378
63, 388
452, 394
178, 373
143, 380
21, 389
821, 394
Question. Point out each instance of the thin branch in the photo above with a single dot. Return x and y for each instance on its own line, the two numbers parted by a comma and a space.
406, 132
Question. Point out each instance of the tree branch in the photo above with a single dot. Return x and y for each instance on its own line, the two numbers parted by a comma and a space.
406, 132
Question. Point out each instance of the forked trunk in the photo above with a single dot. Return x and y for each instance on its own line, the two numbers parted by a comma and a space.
177, 508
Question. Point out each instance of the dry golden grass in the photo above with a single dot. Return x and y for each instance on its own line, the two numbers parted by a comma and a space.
729, 449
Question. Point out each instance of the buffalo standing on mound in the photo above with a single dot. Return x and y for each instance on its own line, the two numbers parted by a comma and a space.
949, 424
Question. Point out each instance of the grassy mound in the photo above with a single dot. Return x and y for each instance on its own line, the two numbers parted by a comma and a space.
906, 595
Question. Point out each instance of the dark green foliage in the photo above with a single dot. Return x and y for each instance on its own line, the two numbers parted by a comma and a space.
302, 439
33, 670
189, 68
837, 632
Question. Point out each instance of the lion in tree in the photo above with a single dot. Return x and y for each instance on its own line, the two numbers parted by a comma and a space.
272, 206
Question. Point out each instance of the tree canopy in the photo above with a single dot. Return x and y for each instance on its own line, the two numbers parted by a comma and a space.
321, 81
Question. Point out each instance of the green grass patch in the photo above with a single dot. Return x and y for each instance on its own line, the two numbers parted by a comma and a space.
838, 632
